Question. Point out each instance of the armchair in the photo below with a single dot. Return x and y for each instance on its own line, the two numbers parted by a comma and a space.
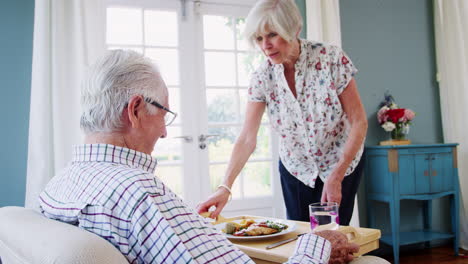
28, 237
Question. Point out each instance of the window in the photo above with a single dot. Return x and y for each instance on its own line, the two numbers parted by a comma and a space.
206, 66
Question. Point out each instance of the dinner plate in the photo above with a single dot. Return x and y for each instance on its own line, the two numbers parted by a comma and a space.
291, 227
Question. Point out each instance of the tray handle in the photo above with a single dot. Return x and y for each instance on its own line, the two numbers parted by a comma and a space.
352, 234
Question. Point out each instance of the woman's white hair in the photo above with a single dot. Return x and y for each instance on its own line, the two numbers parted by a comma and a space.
281, 16
109, 85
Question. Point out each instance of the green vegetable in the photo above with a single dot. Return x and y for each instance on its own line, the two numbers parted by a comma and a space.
275, 225
230, 228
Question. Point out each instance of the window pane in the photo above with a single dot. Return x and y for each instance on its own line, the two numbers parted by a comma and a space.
220, 147
172, 177
221, 105
124, 26
220, 69
161, 28
137, 49
174, 103
241, 41
169, 149
247, 63
216, 177
218, 33
168, 63
257, 179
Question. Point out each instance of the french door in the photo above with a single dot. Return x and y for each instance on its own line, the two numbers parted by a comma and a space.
205, 63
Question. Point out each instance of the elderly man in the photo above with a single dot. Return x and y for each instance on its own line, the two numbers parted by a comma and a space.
109, 188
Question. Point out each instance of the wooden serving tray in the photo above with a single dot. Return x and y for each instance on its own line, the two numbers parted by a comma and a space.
366, 238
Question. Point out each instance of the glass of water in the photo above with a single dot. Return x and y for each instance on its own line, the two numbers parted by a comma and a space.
324, 216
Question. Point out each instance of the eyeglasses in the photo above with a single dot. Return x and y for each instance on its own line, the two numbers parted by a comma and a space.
169, 117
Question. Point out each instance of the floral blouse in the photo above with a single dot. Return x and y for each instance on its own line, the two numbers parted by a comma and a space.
313, 127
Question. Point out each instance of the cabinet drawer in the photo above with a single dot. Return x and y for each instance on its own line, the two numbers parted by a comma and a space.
411, 170
411, 174
424, 173
426, 150
441, 172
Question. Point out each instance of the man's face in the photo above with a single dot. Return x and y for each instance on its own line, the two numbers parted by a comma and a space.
154, 126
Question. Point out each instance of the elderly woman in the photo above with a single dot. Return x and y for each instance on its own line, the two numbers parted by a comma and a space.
313, 104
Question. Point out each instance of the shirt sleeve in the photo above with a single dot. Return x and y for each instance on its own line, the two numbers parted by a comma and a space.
311, 249
171, 232
152, 240
256, 91
342, 69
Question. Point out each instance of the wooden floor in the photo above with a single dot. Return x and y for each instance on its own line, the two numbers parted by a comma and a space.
439, 255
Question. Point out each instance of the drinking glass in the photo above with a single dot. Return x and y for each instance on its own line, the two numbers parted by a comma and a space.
324, 216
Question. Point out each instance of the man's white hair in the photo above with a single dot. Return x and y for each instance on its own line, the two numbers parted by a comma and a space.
109, 85
281, 16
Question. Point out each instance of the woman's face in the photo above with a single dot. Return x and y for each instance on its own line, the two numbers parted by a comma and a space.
275, 48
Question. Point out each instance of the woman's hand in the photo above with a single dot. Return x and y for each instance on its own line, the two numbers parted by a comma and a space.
332, 188
218, 199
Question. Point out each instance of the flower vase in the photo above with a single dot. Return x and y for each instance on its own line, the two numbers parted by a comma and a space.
397, 134
397, 137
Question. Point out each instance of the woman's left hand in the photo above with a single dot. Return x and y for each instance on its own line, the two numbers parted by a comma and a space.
332, 188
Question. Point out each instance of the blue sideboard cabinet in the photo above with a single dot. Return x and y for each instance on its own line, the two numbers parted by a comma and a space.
412, 172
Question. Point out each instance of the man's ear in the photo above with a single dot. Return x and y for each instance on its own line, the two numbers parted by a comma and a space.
135, 107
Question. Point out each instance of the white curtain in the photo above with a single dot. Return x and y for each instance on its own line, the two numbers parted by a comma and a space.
451, 33
323, 21
68, 36
323, 24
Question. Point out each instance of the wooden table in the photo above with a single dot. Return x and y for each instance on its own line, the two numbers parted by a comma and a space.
367, 238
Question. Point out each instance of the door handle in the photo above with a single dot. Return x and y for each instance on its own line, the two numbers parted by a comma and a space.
202, 139
426, 173
430, 157
187, 139
434, 173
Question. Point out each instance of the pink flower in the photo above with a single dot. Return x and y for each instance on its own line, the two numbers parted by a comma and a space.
409, 114
382, 115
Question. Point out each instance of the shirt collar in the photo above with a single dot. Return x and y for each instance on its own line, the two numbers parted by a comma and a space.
114, 154
302, 54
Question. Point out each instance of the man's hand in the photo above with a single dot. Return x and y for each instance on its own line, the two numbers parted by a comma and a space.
342, 251
217, 199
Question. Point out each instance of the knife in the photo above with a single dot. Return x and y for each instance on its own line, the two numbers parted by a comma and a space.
282, 242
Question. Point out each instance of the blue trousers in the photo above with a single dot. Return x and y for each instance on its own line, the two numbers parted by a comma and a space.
297, 196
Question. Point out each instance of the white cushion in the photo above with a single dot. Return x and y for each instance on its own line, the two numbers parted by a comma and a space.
26, 236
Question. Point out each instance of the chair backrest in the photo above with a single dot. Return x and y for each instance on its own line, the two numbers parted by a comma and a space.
26, 236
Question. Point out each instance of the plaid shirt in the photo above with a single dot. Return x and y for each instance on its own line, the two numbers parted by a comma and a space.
112, 192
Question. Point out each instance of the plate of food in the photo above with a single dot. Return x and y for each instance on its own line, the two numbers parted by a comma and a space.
248, 229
